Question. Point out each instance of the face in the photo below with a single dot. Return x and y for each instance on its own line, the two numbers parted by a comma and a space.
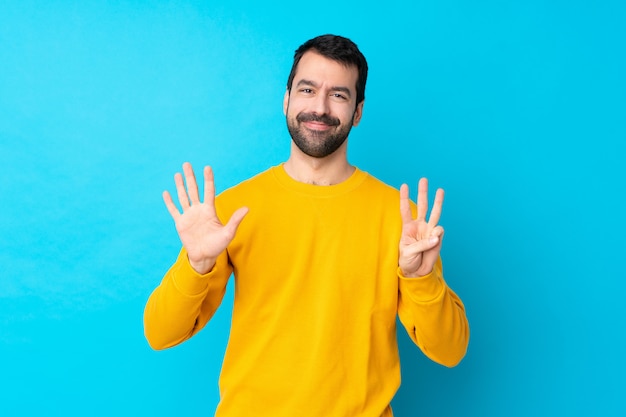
321, 107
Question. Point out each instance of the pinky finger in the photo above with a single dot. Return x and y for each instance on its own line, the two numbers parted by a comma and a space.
169, 203
437, 232
421, 246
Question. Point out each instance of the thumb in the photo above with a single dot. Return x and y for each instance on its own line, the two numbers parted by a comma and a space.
421, 246
235, 220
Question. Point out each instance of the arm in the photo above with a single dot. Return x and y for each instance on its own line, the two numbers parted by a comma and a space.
184, 302
194, 286
432, 313
433, 316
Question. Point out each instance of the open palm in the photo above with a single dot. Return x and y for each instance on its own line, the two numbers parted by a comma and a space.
200, 230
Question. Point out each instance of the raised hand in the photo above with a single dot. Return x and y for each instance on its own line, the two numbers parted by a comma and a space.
200, 230
420, 243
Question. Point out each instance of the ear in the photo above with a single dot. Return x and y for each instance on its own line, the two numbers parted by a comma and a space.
286, 102
358, 113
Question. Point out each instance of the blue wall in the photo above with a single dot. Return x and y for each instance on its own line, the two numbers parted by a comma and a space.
516, 108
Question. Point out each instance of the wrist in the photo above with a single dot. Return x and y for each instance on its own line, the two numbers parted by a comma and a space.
416, 274
202, 267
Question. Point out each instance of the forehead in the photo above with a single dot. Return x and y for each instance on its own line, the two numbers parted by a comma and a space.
322, 70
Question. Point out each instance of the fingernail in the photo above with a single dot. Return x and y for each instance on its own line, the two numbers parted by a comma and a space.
433, 240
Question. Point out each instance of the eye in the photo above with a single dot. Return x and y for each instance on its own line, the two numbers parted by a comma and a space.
339, 96
306, 91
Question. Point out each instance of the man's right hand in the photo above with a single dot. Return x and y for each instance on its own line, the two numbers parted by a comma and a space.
200, 231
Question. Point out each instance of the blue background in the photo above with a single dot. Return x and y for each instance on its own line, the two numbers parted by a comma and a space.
516, 108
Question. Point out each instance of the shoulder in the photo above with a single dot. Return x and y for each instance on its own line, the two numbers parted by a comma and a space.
247, 191
376, 197
251, 183
382, 189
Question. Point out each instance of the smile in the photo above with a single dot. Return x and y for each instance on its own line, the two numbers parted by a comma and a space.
317, 122
314, 125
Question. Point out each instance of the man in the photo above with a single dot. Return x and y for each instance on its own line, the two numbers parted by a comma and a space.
324, 257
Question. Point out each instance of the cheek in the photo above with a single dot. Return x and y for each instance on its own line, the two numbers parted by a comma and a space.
291, 108
348, 118
290, 113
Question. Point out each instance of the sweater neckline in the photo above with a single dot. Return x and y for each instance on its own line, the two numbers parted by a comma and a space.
343, 187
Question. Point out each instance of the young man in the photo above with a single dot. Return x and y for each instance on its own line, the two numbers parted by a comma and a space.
324, 257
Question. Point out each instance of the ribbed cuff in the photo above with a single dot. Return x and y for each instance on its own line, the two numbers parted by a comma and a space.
422, 289
187, 280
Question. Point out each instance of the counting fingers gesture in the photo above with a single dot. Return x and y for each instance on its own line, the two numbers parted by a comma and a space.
200, 230
420, 243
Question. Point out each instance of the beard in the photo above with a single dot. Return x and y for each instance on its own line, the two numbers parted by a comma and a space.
317, 144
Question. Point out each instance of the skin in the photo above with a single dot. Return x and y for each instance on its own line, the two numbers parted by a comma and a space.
321, 87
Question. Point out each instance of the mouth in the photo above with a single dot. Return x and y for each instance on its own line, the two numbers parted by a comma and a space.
317, 123
318, 126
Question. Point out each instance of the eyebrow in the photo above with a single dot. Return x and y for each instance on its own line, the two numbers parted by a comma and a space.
342, 89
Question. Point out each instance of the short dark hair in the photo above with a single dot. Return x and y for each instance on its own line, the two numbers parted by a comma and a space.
338, 49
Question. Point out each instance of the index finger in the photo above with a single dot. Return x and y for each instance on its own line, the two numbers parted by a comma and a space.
422, 199
209, 186
435, 213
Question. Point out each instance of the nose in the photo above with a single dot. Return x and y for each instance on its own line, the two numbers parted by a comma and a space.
320, 104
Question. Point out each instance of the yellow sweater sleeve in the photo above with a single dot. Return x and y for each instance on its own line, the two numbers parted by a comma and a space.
184, 302
434, 316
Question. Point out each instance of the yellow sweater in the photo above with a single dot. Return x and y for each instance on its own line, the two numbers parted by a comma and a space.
317, 291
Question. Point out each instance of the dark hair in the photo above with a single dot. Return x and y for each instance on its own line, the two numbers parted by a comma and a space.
338, 49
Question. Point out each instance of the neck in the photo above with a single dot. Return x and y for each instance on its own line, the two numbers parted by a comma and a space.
330, 170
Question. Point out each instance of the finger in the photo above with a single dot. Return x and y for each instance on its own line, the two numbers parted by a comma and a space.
422, 199
192, 185
405, 204
235, 220
209, 186
429, 258
183, 199
171, 207
435, 213
438, 232
421, 246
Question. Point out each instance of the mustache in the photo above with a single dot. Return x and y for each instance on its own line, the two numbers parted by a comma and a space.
312, 117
